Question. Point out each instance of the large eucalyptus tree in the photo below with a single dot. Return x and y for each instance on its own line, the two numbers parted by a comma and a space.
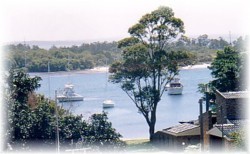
146, 67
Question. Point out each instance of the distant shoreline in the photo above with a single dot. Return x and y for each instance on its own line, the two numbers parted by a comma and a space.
87, 71
103, 69
204, 65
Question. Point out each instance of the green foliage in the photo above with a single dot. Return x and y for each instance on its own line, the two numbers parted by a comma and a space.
128, 42
101, 134
146, 67
33, 121
226, 70
89, 55
183, 58
21, 120
218, 44
83, 57
44, 125
21, 85
241, 44
21, 117
239, 140
72, 128
207, 90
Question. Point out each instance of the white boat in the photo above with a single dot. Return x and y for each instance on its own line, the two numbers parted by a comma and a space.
108, 103
175, 87
68, 94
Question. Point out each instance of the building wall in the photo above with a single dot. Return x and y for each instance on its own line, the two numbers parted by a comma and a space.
236, 108
163, 140
207, 125
231, 108
216, 143
188, 140
172, 142
220, 101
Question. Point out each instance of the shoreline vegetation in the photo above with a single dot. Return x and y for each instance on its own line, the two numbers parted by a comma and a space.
103, 69
201, 49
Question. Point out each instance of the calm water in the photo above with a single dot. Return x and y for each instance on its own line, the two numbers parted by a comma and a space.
124, 116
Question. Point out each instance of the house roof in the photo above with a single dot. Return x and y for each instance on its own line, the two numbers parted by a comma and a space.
234, 95
233, 126
195, 122
228, 128
214, 132
184, 129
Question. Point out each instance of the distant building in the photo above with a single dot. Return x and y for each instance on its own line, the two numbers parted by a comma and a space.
230, 116
177, 137
233, 105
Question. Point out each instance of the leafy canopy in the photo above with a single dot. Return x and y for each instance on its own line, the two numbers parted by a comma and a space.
226, 70
33, 122
21, 84
146, 67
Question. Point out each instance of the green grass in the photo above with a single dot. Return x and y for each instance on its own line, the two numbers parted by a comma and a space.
136, 141
139, 145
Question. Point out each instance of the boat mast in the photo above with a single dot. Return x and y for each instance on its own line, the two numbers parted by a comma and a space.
48, 73
106, 75
68, 69
57, 126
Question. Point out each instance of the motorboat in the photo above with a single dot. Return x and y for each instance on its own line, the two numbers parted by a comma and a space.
108, 103
68, 94
174, 87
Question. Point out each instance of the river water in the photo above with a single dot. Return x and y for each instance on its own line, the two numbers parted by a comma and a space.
124, 116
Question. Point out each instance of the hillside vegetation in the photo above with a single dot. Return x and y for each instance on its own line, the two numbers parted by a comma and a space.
88, 55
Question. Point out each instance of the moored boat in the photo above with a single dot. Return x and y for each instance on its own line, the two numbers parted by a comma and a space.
175, 87
68, 94
108, 103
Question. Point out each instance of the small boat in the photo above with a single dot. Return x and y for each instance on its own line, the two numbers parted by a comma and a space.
175, 87
108, 103
68, 94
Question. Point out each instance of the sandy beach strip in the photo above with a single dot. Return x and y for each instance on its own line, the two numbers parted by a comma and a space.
205, 65
105, 69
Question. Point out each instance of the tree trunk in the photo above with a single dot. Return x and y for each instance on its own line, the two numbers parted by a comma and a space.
152, 125
151, 131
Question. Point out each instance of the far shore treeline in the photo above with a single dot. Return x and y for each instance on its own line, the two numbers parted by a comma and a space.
89, 55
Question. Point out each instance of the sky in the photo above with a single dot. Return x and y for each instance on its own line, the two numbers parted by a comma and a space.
53, 20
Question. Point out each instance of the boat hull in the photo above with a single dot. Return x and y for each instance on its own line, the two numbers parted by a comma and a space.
108, 105
69, 99
175, 90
